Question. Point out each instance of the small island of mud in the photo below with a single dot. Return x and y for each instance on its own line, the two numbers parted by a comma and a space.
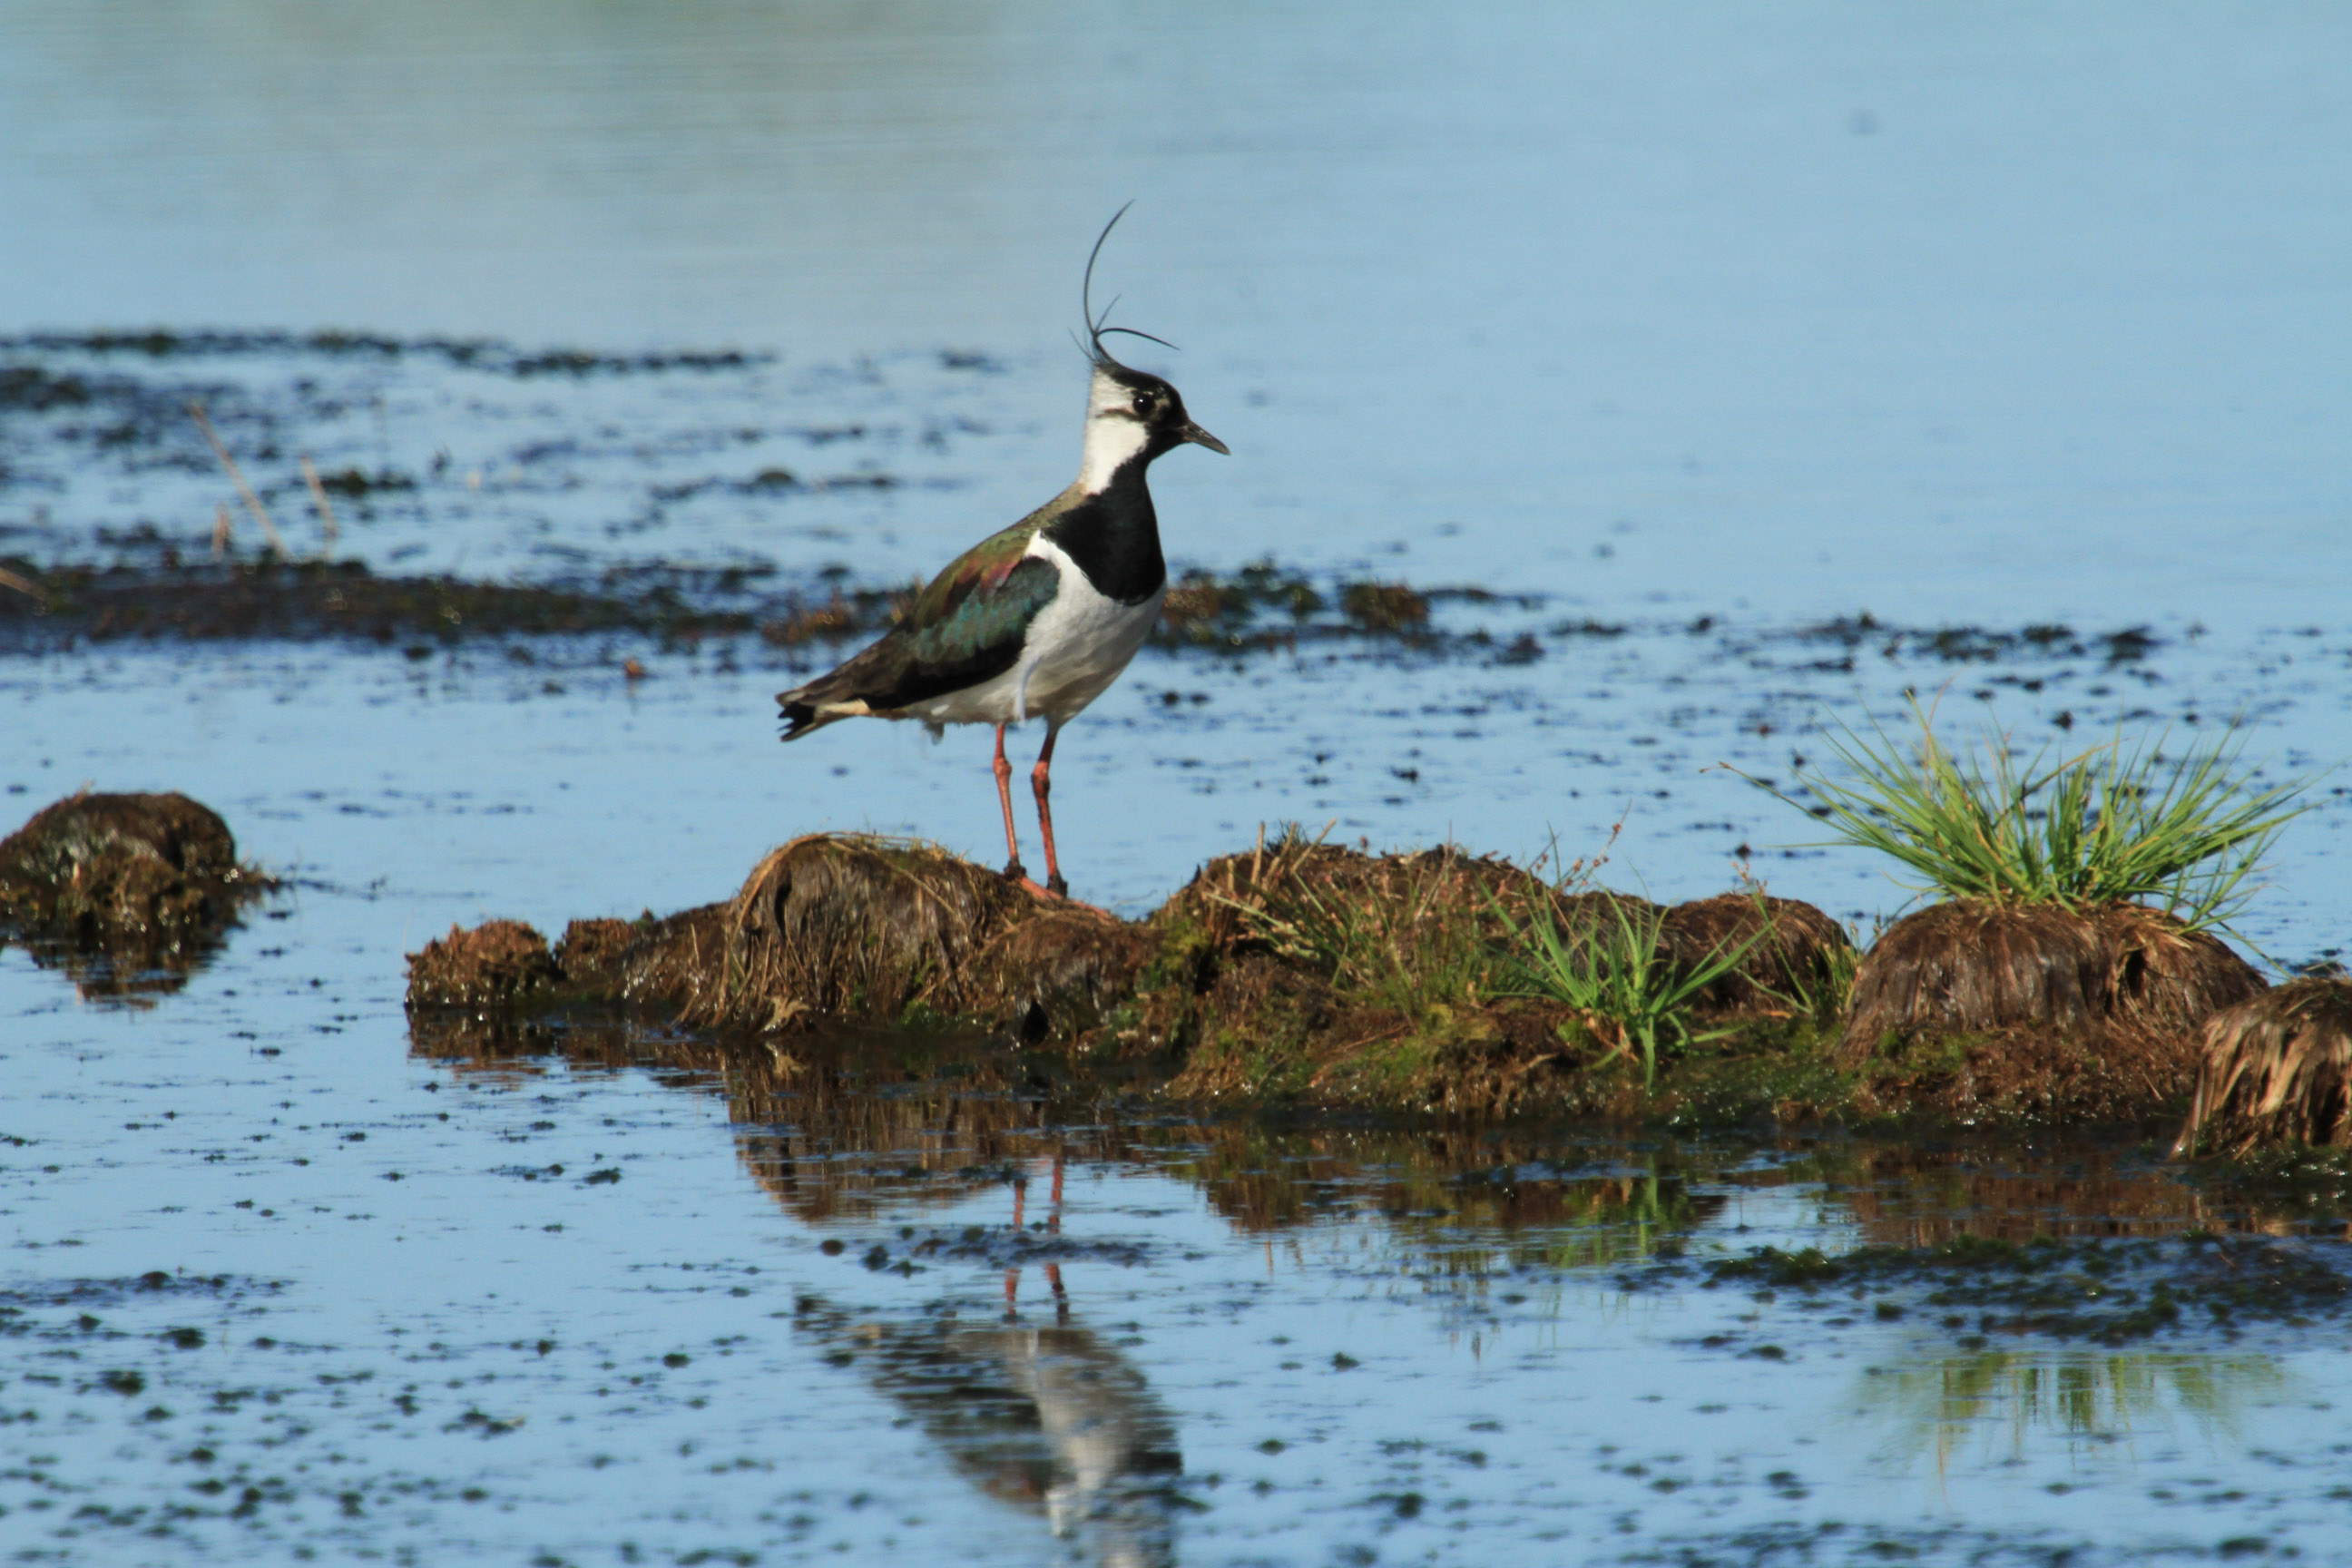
1302, 975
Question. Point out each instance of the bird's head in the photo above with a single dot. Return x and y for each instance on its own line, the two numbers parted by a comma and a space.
1132, 414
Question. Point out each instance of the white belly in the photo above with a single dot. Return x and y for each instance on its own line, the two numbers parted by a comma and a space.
1076, 646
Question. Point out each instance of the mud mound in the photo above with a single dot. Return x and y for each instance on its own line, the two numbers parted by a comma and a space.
1305, 971
593, 953
854, 927
127, 894
2277, 1068
1341, 911
493, 965
1796, 961
1310, 975
830, 930
1970, 1009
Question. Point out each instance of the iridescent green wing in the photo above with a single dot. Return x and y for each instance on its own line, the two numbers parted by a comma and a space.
964, 629
974, 580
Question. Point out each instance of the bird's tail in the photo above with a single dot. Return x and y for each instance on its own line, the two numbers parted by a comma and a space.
800, 718
806, 707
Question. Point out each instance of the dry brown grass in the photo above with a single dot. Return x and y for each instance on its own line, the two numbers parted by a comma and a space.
1971, 1009
1366, 923
1965, 967
847, 926
2276, 1068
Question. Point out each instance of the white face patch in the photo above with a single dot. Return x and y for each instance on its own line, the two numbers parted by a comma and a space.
1114, 434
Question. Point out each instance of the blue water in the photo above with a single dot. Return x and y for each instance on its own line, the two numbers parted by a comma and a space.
1989, 319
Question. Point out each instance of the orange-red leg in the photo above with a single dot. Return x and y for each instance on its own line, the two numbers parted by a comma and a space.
1013, 867
1041, 781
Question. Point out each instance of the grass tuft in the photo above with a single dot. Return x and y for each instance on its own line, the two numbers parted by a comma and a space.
1618, 974
1400, 931
2117, 823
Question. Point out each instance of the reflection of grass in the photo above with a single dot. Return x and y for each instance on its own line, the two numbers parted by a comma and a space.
1943, 1403
1460, 1212
1584, 1225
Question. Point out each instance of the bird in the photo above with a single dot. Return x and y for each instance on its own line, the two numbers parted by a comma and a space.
1039, 619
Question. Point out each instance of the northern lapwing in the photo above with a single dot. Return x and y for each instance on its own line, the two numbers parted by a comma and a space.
1038, 620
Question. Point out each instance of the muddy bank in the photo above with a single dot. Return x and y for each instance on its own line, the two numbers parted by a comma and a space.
162, 587
155, 584
128, 894
1305, 974
200, 599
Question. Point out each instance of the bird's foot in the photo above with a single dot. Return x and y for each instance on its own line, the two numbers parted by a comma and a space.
1059, 891
1054, 891
1018, 874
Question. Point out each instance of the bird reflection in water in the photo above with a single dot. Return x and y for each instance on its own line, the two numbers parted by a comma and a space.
1053, 1270
1053, 1420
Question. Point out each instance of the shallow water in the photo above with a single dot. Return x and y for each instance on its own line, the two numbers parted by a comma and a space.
517, 1307
1691, 336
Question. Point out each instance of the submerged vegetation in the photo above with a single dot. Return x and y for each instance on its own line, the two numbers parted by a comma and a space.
2108, 1293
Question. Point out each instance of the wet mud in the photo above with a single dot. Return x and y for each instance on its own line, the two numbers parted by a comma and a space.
130, 527
70, 606
127, 894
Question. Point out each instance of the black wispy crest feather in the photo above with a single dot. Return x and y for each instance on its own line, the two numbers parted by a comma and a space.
1098, 326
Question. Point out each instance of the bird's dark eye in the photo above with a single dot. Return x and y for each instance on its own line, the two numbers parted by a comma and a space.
1145, 402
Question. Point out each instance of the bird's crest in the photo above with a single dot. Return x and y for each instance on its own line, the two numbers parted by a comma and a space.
1098, 327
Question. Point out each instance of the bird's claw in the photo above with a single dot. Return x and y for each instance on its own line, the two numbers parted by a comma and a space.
1018, 874
1056, 889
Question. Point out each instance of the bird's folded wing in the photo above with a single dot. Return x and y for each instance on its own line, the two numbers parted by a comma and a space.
974, 629
965, 628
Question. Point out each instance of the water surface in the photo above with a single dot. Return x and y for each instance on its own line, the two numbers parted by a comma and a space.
1692, 336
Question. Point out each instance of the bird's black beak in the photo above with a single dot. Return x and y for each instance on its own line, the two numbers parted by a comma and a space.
1200, 437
